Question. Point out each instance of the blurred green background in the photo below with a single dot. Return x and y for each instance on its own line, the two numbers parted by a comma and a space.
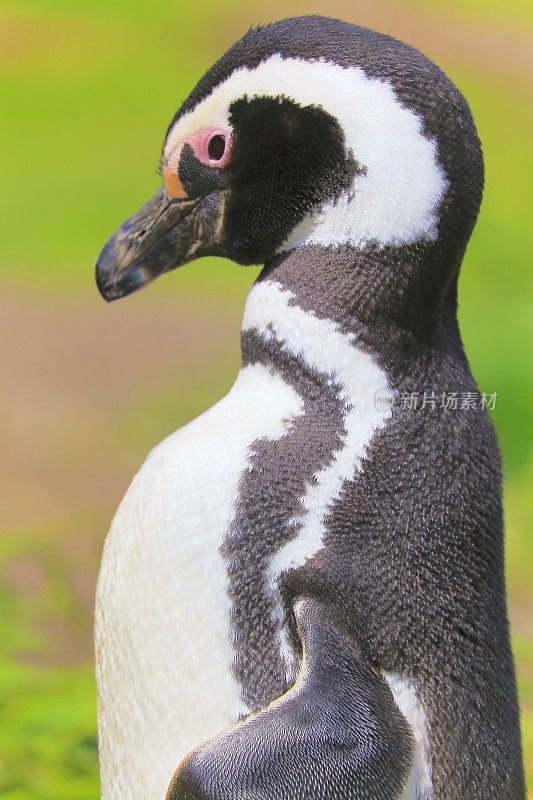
86, 92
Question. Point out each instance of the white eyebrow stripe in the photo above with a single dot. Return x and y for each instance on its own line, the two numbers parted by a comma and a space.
396, 201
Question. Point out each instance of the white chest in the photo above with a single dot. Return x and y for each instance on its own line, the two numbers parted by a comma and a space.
163, 640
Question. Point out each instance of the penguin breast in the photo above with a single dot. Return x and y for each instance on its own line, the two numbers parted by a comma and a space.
163, 629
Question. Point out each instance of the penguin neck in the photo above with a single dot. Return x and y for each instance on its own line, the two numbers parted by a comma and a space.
387, 299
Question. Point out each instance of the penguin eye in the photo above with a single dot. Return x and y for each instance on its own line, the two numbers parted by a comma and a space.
212, 146
216, 147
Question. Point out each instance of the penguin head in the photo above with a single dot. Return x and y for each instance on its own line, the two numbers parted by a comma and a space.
310, 132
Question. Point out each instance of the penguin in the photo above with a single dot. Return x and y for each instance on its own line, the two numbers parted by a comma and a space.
302, 594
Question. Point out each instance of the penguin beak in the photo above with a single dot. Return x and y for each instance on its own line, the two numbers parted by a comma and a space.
161, 236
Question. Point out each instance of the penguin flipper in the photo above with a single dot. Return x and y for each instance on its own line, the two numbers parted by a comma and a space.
337, 734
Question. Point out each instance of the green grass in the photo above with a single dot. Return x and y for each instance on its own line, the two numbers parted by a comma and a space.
47, 716
87, 89
47, 734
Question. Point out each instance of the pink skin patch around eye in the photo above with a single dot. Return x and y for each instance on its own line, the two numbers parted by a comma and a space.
212, 146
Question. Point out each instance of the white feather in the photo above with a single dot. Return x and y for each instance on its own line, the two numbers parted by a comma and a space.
163, 634
396, 202
420, 786
322, 346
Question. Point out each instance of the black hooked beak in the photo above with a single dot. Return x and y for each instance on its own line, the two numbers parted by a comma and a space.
161, 236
